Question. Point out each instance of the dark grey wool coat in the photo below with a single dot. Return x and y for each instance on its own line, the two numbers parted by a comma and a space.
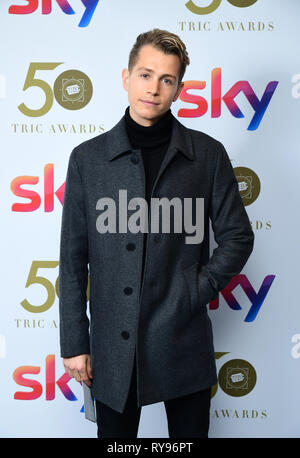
164, 316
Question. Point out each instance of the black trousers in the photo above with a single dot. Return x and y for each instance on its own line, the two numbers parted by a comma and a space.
187, 416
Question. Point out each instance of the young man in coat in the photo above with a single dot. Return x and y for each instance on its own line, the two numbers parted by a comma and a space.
149, 337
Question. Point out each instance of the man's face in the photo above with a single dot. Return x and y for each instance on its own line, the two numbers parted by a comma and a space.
154, 78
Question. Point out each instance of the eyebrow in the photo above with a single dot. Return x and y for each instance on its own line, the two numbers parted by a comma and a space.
151, 71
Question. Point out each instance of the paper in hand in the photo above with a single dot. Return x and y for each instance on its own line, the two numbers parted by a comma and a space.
89, 405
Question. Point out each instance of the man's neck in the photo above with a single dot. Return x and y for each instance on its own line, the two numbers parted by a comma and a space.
143, 121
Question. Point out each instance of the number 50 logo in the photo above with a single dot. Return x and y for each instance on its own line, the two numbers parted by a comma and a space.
72, 89
215, 4
51, 290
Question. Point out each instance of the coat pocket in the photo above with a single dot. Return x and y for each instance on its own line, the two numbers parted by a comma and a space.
201, 291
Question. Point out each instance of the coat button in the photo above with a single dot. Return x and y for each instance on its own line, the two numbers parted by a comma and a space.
130, 246
134, 159
125, 334
128, 290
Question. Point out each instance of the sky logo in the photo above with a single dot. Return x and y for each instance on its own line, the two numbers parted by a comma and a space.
35, 199
256, 298
46, 5
51, 382
259, 105
48, 388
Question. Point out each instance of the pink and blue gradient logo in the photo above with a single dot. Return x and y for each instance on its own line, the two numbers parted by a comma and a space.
45, 196
256, 298
259, 105
36, 386
45, 387
46, 7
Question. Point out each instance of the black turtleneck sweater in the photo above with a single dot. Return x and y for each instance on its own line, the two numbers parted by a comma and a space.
153, 142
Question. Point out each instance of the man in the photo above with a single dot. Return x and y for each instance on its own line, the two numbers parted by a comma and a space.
150, 337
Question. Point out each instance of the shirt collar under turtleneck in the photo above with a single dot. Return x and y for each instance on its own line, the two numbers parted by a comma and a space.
150, 136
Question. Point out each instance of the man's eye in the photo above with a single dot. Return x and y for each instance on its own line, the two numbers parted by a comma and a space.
144, 74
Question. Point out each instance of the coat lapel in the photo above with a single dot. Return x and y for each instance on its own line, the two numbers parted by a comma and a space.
180, 141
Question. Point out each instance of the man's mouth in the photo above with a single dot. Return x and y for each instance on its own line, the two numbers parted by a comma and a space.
148, 102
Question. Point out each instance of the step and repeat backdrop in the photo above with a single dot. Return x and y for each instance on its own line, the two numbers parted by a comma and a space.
60, 84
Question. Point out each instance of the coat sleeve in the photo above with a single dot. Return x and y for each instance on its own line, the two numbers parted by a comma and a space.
232, 231
73, 267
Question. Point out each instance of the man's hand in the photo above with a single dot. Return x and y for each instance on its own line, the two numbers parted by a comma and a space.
79, 367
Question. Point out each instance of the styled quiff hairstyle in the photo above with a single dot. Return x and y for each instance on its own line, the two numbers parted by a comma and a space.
165, 41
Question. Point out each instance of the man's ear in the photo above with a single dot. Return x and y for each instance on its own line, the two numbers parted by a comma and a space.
125, 77
179, 89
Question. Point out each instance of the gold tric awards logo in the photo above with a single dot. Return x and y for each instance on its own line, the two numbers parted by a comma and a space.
73, 89
237, 377
249, 184
214, 4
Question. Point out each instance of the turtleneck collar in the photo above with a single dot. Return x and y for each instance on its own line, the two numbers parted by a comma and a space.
150, 136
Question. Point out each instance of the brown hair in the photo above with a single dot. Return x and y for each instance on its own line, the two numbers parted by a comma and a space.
168, 42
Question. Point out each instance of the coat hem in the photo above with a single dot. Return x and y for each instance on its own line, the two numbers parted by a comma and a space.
115, 405
179, 393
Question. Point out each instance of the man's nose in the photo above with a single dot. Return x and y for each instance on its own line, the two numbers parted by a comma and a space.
153, 87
